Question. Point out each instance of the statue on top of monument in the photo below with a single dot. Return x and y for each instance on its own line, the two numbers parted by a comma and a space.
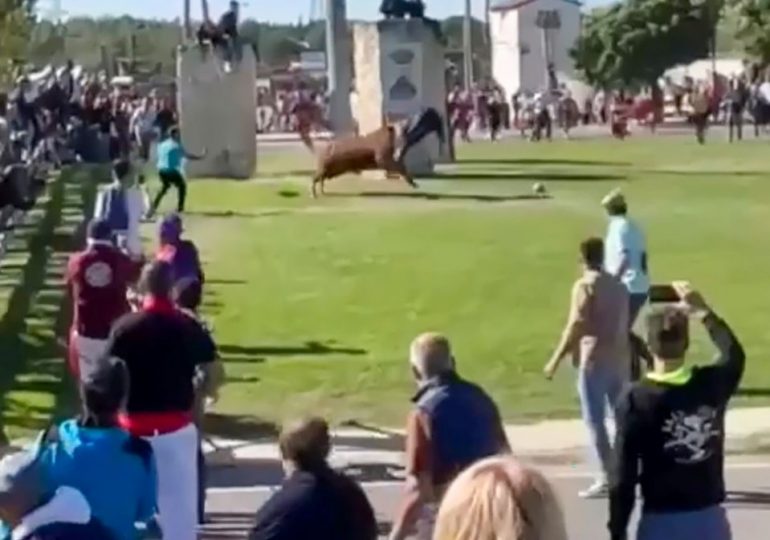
400, 9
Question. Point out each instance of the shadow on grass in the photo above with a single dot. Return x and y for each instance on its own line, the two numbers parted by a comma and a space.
233, 214
237, 427
226, 282
753, 392
544, 162
37, 315
524, 176
238, 353
439, 196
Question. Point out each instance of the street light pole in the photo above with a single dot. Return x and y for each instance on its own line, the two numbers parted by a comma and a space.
468, 47
338, 66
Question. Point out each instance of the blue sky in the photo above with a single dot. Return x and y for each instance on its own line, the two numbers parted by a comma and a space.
273, 10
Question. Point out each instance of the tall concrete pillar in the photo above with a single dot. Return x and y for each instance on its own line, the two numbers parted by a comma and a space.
400, 71
217, 112
338, 57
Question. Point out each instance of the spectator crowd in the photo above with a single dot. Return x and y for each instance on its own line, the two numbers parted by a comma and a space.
146, 366
131, 465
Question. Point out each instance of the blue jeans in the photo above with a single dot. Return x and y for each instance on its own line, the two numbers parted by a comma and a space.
707, 524
599, 388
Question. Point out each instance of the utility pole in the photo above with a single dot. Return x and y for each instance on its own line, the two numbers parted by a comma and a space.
187, 22
338, 66
468, 46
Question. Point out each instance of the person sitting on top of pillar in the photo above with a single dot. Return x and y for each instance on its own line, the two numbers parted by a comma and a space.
228, 31
414, 9
400, 9
223, 35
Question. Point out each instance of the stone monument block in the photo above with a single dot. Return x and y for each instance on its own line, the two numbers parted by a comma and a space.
400, 70
217, 112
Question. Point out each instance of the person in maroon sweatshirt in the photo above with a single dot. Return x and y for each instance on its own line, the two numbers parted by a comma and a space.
98, 280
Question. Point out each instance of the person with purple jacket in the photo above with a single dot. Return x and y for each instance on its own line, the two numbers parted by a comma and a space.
181, 254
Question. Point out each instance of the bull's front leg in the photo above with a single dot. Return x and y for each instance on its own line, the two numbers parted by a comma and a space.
397, 168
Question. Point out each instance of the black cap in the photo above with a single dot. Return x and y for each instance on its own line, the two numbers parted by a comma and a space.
99, 229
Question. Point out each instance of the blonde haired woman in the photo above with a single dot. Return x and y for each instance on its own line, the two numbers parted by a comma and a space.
500, 499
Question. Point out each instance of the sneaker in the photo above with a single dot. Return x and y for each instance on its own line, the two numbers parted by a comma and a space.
598, 490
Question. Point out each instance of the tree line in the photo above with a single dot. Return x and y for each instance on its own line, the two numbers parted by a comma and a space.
633, 42
629, 43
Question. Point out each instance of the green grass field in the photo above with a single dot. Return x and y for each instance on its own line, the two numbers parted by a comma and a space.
315, 302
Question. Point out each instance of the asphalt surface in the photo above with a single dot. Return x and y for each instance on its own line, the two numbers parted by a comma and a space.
239, 491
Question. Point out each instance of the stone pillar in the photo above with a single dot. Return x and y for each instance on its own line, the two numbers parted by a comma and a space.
400, 71
339, 68
217, 112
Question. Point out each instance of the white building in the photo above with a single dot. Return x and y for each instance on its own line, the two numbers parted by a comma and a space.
522, 49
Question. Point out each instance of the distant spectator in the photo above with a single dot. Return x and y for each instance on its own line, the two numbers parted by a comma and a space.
94, 455
737, 100
625, 257
671, 431
162, 349
98, 279
141, 127
165, 118
597, 337
314, 502
29, 511
625, 252
123, 204
499, 498
183, 257
454, 423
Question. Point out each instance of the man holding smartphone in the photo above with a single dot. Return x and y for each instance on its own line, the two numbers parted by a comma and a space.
670, 430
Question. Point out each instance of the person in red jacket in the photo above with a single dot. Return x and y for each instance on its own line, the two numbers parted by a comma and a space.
98, 280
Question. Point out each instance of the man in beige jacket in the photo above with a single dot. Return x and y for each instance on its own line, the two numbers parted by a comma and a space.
597, 336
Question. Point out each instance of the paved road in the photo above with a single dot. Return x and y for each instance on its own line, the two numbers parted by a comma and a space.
232, 501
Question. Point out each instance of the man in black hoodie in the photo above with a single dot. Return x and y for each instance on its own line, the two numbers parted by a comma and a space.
670, 433
314, 501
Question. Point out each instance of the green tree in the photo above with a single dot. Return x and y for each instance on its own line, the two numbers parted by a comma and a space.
634, 42
753, 29
16, 21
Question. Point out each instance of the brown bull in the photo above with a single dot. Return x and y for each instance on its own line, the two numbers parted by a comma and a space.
354, 154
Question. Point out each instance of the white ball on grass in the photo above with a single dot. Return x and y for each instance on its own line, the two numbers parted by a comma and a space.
539, 189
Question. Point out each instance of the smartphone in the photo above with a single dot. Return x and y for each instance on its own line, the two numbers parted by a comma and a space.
663, 294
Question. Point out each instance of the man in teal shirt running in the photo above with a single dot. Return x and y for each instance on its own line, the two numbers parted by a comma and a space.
171, 156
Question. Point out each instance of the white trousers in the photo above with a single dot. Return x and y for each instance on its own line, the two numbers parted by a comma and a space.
176, 458
90, 352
